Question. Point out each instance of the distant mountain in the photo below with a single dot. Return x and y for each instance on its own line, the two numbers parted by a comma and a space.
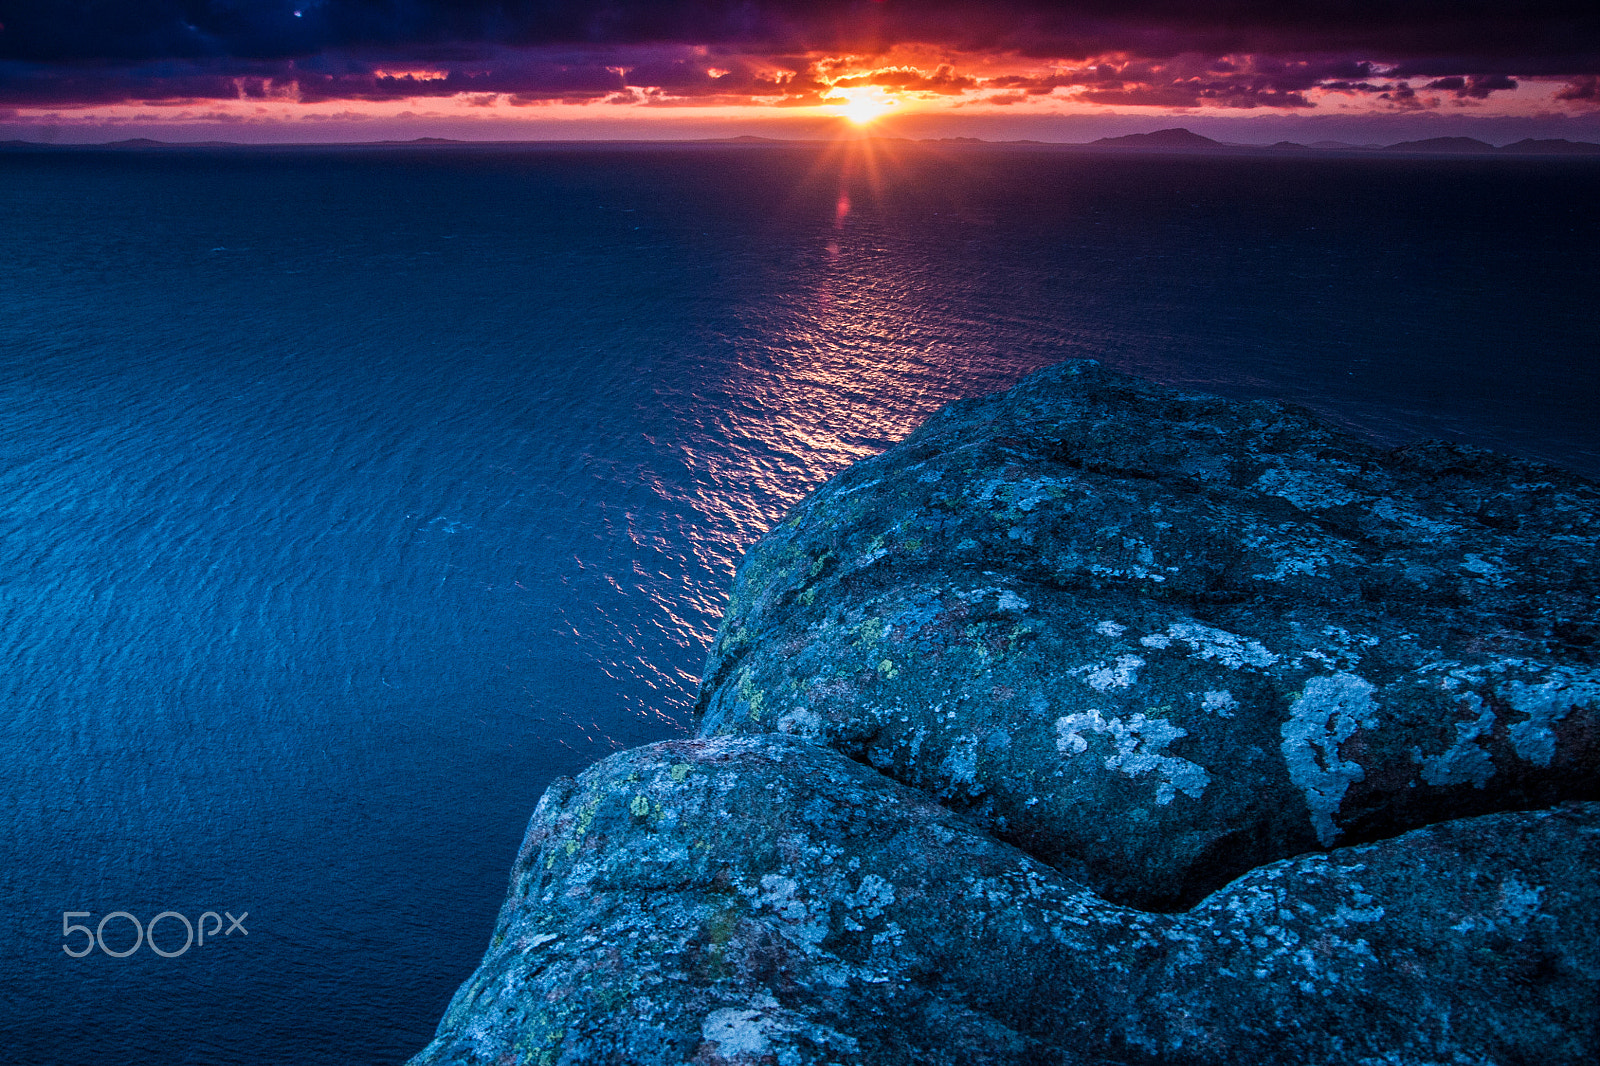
743, 138
1286, 144
1442, 144
1178, 138
146, 142
1341, 146
1526, 146
1552, 146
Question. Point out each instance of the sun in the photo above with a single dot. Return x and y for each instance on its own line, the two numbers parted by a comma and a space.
861, 106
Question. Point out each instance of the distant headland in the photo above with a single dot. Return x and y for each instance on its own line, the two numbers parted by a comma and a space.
1179, 139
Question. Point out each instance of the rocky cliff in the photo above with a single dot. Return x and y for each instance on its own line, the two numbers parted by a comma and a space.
1098, 722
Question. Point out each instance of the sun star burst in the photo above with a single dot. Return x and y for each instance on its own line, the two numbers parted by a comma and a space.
861, 106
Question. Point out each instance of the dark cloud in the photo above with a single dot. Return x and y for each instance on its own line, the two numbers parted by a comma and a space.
1194, 81
317, 79
62, 30
42, 85
1403, 97
638, 74
1554, 64
1195, 92
1582, 90
83, 51
1475, 87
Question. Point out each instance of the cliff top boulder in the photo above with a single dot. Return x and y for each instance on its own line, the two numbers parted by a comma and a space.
1099, 723
1156, 639
763, 901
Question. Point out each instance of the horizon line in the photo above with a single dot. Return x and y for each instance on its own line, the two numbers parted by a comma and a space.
1164, 140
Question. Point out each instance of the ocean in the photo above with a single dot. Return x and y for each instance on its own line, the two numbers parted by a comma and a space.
348, 496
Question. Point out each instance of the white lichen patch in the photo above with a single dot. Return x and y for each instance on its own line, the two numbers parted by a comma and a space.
1465, 760
1328, 713
1010, 601
892, 935
1387, 510
1139, 571
1228, 649
1545, 704
1288, 564
1103, 677
1219, 702
1291, 550
1344, 649
738, 1032
1306, 491
1519, 901
871, 897
1289, 939
804, 923
1139, 742
1344, 914
960, 766
1005, 599
1110, 629
1024, 495
1070, 729
801, 723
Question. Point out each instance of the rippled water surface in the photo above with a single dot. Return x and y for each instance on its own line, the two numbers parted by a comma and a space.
346, 498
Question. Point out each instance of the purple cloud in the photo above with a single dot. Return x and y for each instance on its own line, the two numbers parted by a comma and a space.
1474, 86
1584, 90
52, 53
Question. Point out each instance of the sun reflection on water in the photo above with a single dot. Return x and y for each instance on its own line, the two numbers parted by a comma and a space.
856, 354
854, 312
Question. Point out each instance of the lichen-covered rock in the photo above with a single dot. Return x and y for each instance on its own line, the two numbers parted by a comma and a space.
762, 900
1156, 639
1088, 645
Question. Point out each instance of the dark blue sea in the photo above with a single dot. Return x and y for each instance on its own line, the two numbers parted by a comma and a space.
347, 497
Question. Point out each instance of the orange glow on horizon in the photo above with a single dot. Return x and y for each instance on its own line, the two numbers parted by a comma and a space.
910, 92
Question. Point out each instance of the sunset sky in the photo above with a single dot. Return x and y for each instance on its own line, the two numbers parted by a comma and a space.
352, 70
